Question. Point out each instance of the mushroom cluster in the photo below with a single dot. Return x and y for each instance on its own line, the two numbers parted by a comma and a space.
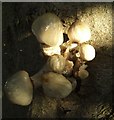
66, 61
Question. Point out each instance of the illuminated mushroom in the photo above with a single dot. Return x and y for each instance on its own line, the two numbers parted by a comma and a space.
56, 63
87, 52
48, 29
19, 88
79, 32
56, 85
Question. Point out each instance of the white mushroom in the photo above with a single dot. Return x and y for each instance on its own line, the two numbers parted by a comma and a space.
83, 74
79, 32
56, 85
48, 29
56, 63
19, 88
87, 52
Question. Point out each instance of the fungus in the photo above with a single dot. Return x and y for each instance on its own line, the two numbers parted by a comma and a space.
56, 85
56, 63
87, 52
83, 74
79, 32
19, 89
48, 29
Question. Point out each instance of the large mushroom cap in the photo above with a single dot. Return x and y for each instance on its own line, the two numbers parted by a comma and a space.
48, 29
19, 89
79, 32
56, 85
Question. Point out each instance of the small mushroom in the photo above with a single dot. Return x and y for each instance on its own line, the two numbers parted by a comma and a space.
83, 74
48, 29
79, 65
87, 52
19, 88
56, 63
56, 85
79, 32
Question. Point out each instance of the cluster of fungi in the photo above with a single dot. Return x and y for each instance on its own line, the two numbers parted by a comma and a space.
67, 61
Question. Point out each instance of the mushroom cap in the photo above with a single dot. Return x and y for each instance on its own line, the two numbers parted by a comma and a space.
87, 52
48, 29
19, 88
56, 63
79, 32
56, 85
83, 74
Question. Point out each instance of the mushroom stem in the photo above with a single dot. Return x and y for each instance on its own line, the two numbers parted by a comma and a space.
68, 46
